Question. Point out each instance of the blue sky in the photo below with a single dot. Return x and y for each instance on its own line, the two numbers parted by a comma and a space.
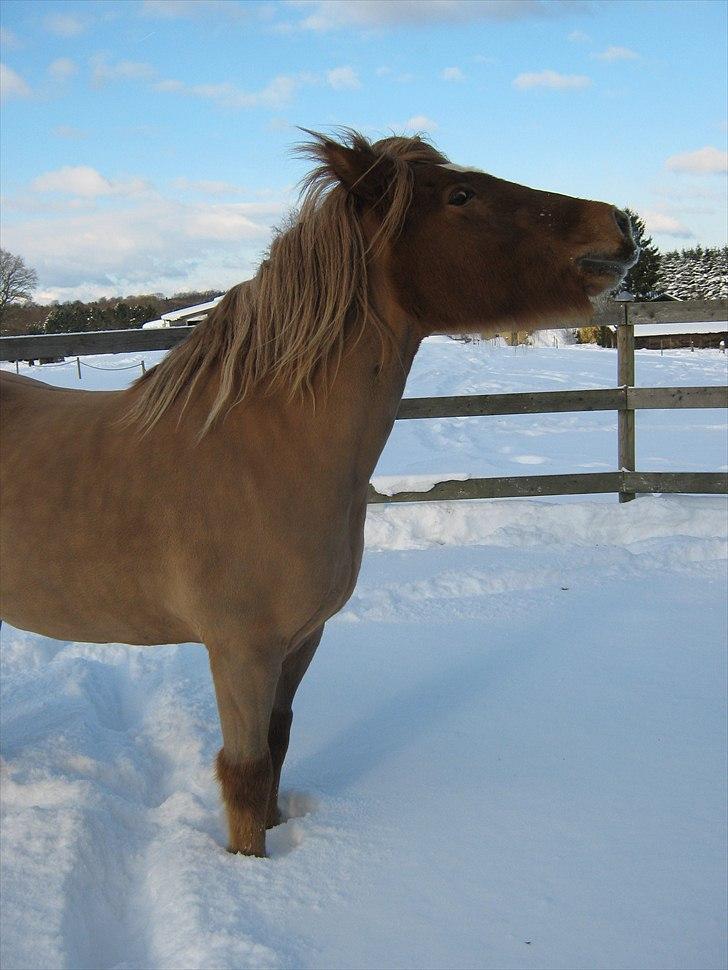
146, 143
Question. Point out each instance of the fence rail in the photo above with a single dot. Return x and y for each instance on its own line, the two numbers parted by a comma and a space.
626, 399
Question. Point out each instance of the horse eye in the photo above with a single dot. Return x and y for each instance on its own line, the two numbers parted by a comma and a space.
460, 197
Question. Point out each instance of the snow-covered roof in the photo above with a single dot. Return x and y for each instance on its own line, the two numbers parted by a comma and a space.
192, 313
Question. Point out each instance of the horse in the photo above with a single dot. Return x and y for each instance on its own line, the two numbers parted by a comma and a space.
221, 498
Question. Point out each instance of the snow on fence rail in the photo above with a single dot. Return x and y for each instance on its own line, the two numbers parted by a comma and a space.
626, 399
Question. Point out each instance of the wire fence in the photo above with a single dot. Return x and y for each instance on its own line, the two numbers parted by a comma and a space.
84, 363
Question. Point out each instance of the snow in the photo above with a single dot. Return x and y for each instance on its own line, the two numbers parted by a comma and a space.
509, 751
390, 484
662, 329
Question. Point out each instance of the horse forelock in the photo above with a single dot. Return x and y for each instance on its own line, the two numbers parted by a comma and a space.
288, 327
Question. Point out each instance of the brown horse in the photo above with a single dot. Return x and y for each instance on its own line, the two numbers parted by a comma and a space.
221, 499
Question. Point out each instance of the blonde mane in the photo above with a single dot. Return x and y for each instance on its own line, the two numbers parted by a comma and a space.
309, 300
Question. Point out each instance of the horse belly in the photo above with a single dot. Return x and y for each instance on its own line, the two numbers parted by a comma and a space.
77, 561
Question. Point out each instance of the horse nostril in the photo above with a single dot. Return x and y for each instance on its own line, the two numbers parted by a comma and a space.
623, 222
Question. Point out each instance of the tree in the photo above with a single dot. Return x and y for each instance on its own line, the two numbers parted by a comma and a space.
17, 281
642, 279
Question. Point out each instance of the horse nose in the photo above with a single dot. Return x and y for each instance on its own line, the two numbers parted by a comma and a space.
623, 224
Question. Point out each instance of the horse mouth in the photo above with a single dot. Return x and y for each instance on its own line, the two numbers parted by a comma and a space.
602, 272
612, 267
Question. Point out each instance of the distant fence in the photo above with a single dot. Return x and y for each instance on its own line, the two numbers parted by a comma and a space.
626, 399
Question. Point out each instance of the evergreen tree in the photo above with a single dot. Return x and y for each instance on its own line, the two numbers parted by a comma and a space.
642, 279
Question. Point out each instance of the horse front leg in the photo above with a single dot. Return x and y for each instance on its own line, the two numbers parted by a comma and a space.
294, 667
245, 686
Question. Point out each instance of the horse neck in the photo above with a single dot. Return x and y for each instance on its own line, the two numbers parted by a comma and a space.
338, 433
364, 399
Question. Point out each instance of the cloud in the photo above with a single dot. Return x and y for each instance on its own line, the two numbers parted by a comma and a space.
551, 79
276, 94
401, 78
452, 74
324, 15
68, 131
419, 123
617, 54
206, 186
666, 225
342, 77
103, 72
62, 69
151, 244
579, 37
86, 182
704, 161
175, 9
64, 24
12, 84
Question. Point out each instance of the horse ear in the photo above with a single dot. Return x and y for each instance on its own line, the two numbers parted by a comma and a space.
364, 173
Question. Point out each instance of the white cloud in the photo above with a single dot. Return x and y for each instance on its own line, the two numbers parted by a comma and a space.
227, 95
323, 15
419, 123
206, 186
64, 24
706, 160
666, 225
452, 74
579, 37
62, 69
401, 78
174, 9
275, 94
617, 54
86, 182
12, 84
342, 77
69, 131
103, 72
551, 79
153, 244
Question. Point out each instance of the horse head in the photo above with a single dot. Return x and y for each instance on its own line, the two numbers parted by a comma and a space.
463, 250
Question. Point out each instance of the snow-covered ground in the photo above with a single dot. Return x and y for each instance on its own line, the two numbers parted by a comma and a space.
509, 751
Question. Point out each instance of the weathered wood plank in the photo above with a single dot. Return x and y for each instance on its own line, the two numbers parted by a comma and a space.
689, 311
625, 418
93, 342
525, 486
714, 483
640, 398
537, 402
512, 486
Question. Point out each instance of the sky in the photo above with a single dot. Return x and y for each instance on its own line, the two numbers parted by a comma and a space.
147, 144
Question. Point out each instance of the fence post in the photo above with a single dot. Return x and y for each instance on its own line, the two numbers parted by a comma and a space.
625, 378
144, 370
78, 367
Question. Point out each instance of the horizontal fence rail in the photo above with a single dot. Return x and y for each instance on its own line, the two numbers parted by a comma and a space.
552, 402
588, 483
95, 342
626, 399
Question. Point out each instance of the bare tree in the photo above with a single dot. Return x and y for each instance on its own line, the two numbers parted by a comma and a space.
17, 281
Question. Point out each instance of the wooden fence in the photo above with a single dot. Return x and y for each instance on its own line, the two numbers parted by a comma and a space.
626, 399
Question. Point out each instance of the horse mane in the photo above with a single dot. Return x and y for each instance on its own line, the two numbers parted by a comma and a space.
291, 323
